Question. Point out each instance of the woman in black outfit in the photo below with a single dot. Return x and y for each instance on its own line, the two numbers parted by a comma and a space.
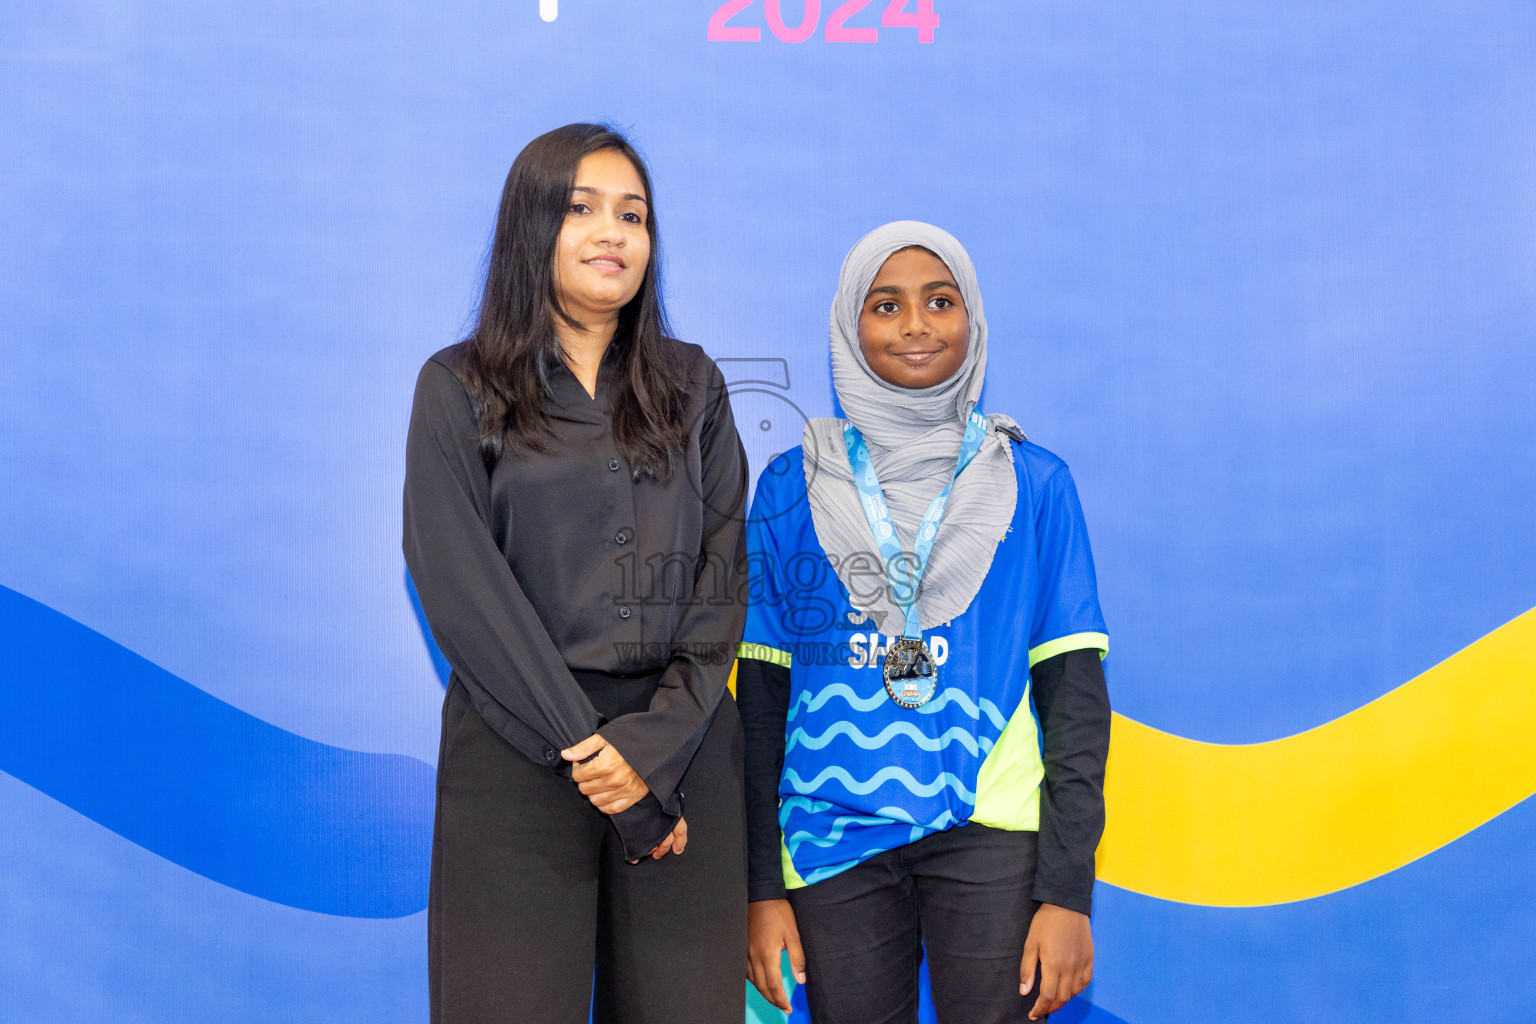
574, 498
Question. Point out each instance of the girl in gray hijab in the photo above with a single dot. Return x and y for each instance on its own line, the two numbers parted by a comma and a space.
920, 684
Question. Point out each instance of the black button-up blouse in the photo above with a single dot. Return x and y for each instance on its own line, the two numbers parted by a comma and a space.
560, 562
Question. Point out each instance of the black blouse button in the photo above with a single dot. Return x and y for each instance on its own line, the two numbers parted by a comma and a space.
613, 464
624, 612
550, 754
621, 537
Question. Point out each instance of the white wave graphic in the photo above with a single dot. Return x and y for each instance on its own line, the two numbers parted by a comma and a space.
954, 735
833, 837
802, 803
959, 696
884, 816
897, 814
890, 773
816, 701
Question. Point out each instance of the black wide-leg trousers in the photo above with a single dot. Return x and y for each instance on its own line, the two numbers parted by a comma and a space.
534, 917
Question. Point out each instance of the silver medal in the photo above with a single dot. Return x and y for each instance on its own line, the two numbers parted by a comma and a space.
911, 675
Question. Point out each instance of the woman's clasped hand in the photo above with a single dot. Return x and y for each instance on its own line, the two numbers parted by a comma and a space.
605, 778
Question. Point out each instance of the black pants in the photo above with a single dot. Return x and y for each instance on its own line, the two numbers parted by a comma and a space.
963, 894
530, 892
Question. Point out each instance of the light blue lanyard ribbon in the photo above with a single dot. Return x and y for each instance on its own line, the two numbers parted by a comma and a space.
905, 577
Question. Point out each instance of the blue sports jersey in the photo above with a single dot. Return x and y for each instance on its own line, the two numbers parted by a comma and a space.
863, 775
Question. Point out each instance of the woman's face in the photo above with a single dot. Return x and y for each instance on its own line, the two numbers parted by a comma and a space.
603, 250
914, 330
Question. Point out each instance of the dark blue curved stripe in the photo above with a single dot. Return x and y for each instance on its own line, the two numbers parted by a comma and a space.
1080, 1011
202, 783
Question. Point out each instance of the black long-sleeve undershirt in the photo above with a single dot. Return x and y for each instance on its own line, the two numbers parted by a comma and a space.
762, 697
1072, 704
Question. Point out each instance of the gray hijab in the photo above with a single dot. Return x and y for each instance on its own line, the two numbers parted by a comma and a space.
914, 439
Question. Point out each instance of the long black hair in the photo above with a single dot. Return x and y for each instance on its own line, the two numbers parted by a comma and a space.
513, 346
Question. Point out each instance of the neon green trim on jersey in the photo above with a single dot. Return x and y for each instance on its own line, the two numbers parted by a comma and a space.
1063, 644
792, 879
762, 652
1008, 788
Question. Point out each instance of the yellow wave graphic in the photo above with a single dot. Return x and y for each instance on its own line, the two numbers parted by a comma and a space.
1263, 823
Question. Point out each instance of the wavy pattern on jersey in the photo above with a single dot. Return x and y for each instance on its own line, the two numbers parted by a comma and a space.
795, 840
944, 820
890, 773
884, 816
803, 803
816, 701
1329, 808
977, 747
203, 784
973, 708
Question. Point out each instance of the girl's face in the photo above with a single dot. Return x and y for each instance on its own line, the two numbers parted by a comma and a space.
914, 330
603, 249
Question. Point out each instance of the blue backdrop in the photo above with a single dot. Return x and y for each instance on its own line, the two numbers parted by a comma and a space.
1265, 275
